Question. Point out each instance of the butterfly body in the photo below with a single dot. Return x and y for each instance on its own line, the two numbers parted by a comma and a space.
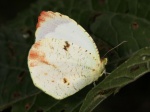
64, 58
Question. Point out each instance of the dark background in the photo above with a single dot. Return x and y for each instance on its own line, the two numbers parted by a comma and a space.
134, 97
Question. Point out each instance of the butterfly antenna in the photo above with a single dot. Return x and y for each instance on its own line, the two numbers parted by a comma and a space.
114, 47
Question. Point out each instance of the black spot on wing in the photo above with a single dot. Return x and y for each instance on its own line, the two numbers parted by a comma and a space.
66, 46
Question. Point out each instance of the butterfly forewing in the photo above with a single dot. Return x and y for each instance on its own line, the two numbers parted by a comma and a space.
56, 25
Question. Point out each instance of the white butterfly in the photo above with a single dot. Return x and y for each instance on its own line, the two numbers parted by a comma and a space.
64, 59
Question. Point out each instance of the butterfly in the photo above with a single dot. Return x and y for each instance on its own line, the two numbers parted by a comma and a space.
64, 58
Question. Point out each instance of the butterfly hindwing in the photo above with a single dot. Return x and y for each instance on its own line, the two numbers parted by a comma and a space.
61, 68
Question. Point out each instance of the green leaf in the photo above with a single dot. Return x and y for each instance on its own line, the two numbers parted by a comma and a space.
116, 28
14, 77
129, 71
